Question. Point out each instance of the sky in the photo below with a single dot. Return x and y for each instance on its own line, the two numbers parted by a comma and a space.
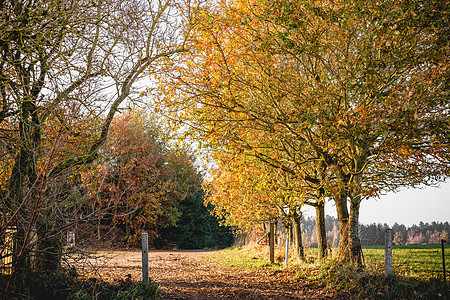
406, 207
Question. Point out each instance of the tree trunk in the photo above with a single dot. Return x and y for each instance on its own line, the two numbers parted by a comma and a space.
353, 237
275, 235
321, 232
298, 244
272, 242
289, 233
50, 253
343, 218
354, 241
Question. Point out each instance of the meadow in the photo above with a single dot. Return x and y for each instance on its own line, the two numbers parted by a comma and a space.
412, 261
417, 270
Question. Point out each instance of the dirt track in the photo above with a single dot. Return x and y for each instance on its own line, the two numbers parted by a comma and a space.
187, 275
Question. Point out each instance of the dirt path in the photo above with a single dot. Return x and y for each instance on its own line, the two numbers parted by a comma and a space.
187, 275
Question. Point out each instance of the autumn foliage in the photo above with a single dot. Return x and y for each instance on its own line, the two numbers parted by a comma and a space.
350, 98
148, 184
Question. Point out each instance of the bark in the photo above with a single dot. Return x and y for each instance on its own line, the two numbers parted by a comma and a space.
289, 233
50, 253
298, 242
275, 235
354, 242
343, 218
22, 199
321, 232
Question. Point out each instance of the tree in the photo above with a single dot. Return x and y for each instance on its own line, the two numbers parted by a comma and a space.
63, 65
399, 239
196, 227
147, 181
241, 192
245, 192
349, 96
135, 178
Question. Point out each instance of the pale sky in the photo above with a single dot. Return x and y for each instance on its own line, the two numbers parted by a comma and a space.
406, 207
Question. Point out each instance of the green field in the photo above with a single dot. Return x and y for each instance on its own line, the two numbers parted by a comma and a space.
414, 261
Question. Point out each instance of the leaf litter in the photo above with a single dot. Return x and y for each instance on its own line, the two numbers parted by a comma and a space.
189, 275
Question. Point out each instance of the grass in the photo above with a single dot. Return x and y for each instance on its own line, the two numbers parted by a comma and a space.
243, 258
419, 262
417, 271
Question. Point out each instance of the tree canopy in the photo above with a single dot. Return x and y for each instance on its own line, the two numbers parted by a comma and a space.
350, 97
148, 185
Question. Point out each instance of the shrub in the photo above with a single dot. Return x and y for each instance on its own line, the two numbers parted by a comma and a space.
66, 285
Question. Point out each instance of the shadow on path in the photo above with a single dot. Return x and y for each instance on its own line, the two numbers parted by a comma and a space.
187, 275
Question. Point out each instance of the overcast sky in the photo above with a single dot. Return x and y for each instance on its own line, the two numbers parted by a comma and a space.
406, 207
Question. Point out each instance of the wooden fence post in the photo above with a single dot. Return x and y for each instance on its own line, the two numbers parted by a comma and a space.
388, 252
145, 257
443, 259
9, 250
272, 242
286, 262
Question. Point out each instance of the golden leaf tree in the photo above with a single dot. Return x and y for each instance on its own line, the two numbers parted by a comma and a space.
350, 97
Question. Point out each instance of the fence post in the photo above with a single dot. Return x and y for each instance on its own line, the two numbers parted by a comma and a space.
286, 262
145, 257
33, 241
272, 242
388, 252
71, 239
443, 259
9, 250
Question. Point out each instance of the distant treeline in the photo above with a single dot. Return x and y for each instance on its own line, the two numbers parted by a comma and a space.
373, 234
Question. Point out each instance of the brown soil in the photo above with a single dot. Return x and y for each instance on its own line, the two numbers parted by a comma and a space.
188, 275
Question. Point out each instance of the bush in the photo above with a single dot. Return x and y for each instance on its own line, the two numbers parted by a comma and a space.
66, 285
124, 290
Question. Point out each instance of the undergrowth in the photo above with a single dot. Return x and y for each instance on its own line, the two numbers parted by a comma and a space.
66, 285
